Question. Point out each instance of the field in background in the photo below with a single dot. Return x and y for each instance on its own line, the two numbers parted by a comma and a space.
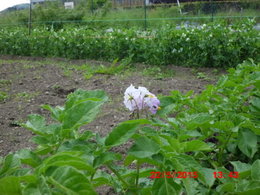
107, 14
213, 45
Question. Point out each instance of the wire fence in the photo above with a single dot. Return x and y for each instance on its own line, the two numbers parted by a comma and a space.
129, 13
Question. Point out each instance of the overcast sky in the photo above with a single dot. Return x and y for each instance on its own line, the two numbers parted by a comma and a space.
9, 3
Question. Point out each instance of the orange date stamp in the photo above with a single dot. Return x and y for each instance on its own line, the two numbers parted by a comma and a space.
185, 174
173, 174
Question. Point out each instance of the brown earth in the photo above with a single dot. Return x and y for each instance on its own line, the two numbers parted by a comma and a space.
31, 82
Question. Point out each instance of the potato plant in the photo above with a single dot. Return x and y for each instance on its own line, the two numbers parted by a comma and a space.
211, 45
214, 135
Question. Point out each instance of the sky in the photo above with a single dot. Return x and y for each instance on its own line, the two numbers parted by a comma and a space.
9, 3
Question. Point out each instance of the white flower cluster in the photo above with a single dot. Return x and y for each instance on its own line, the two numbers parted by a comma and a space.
140, 98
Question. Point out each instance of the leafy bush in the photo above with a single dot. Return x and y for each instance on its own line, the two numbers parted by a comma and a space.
208, 135
214, 45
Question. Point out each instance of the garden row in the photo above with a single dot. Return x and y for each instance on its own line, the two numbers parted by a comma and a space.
213, 135
212, 45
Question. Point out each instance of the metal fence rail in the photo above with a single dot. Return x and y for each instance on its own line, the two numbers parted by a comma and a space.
141, 13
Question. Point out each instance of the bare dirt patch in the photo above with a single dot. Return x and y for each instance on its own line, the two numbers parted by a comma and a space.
31, 82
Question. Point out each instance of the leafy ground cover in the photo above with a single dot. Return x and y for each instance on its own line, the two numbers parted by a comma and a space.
210, 134
212, 45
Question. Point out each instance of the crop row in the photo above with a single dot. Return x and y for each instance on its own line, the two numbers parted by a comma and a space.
212, 45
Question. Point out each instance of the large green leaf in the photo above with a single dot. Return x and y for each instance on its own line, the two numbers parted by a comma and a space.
150, 160
189, 183
55, 112
124, 131
144, 147
255, 173
101, 178
174, 144
243, 169
66, 159
245, 187
70, 181
255, 105
28, 157
36, 124
186, 163
106, 158
77, 145
195, 120
82, 95
32, 189
195, 145
81, 108
226, 187
40, 140
208, 174
165, 186
247, 142
80, 114
38, 188
224, 125
10, 186
10, 163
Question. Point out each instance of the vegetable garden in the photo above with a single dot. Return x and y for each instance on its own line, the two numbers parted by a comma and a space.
212, 45
180, 143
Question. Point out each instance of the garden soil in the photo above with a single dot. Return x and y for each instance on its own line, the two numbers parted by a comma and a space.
30, 82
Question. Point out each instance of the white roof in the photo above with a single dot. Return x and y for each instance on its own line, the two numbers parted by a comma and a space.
39, 1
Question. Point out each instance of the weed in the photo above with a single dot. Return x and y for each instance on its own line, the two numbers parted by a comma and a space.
5, 82
56, 87
201, 75
215, 71
37, 77
194, 71
26, 96
158, 73
3, 96
114, 68
28, 66
67, 73
16, 123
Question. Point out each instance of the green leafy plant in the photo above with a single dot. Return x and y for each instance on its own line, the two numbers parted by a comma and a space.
4, 82
158, 72
211, 134
201, 75
25, 95
211, 45
3, 96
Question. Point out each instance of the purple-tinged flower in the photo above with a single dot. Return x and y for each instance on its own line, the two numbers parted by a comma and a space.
140, 99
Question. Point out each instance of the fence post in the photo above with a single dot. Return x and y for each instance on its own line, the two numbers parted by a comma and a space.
92, 6
145, 24
211, 7
30, 18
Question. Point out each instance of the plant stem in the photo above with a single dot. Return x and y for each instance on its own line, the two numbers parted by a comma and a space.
92, 176
117, 174
220, 156
137, 174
